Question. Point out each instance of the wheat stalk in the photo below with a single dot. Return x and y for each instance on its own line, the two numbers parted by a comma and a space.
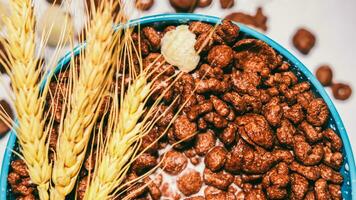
22, 67
83, 102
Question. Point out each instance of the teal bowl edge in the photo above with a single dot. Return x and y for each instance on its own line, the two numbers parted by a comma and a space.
184, 18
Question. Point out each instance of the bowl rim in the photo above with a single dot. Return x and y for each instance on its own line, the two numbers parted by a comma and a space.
183, 18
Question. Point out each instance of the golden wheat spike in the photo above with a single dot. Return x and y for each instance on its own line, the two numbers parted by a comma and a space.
22, 66
94, 79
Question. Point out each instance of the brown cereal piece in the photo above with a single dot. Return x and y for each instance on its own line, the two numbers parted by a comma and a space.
199, 109
227, 3
228, 136
305, 153
285, 133
157, 65
245, 82
143, 163
294, 113
282, 155
332, 159
235, 100
253, 104
334, 138
136, 190
235, 157
153, 189
310, 195
299, 186
153, 37
254, 55
210, 85
311, 134
309, 172
321, 190
144, 4
324, 74
82, 186
204, 3
221, 196
216, 120
220, 56
335, 191
255, 194
186, 86
341, 91
183, 5
330, 175
215, 158
204, 42
220, 106
200, 27
159, 87
255, 128
204, 142
286, 78
211, 190
195, 198
248, 178
174, 162
226, 32
168, 28
141, 43
259, 20
90, 160
273, 111
277, 176
220, 180
149, 141
13, 178
183, 128
304, 40
232, 116
19, 167
202, 125
6, 110
305, 98
206, 71
22, 190
257, 162
317, 112
275, 192
189, 183
27, 197
290, 94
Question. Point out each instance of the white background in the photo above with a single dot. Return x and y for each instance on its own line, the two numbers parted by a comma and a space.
333, 22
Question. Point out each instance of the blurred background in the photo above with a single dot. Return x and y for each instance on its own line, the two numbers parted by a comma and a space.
330, 26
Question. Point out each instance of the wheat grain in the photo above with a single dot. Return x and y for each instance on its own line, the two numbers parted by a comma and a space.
83, 102
21, 65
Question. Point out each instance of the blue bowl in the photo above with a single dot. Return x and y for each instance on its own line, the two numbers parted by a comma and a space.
348, 170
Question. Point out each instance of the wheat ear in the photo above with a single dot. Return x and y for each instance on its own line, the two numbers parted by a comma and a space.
22, 66
94, 79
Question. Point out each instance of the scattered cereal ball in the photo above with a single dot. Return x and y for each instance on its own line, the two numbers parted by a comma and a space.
325, 75
178, 48
304, 40
341, 91
183, 5
57, 23
204, 3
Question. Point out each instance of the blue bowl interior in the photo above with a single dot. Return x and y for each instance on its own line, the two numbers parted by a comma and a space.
348, 169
